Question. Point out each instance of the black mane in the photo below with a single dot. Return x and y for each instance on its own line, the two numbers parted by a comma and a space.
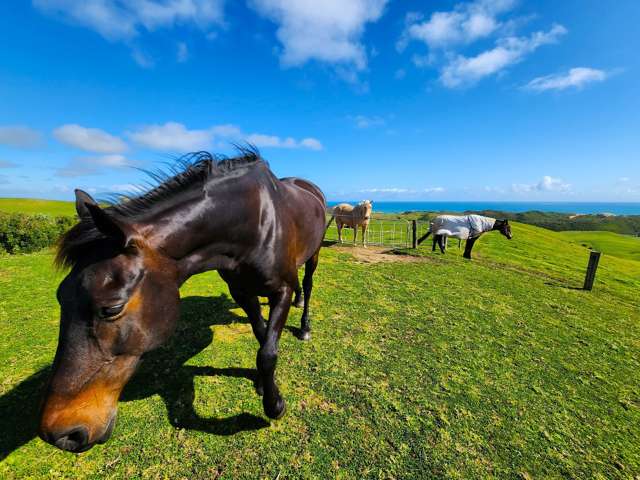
189, 171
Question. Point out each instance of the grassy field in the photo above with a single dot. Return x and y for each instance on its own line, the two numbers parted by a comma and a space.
420, 366
608, 243
31, 205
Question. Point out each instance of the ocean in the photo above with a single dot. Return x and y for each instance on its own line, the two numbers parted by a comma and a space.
515, 207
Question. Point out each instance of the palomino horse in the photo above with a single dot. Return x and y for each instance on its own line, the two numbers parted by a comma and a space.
353, 217
465, 227
127, 262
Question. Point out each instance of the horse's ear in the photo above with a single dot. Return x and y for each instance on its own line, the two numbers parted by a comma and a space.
121, 232
506, 221
82, 200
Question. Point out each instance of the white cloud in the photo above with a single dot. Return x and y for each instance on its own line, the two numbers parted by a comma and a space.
260, 140
124, 188
510, 50
19, 136
83, 166
329, 31
362, 121
547, 184
386, 190
311, 143
89, 139
122, 20
227, 130
142, 59
466, 23
434, 190
575, 78
172, 136
490, 189
183, 52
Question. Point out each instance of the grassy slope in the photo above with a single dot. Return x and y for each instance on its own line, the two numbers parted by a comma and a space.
443, 367
31, 205
608, 243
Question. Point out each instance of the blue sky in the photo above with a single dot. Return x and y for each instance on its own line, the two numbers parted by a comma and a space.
382, 99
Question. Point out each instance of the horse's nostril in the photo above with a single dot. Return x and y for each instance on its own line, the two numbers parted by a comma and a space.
75, 440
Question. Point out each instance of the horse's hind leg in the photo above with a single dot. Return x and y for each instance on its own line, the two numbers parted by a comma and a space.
436, 241
280, 302
307, 286
297, 298
339, 225
442, 243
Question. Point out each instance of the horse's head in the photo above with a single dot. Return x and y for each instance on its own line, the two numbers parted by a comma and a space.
504, 228
367, 207
119, 301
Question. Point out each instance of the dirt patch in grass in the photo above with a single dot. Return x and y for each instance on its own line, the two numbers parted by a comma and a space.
379, 255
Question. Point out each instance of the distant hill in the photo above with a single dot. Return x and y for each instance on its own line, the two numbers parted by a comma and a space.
559, 222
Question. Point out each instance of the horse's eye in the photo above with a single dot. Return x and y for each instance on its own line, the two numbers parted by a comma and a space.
108, 312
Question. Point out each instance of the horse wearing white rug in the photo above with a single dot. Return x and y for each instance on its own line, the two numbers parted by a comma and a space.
463, 227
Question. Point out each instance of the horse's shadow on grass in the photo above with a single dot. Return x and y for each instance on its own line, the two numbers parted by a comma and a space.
162, 372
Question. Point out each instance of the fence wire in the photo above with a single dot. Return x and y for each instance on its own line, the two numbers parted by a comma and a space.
387, 233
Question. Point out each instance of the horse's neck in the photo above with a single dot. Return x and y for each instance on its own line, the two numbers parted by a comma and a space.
195, 231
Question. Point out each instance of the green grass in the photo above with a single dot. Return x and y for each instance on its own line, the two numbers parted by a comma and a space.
607, 242
31, 205
498, 367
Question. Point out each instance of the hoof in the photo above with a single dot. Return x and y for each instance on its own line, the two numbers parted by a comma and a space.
305, 336
277, 412
299, 303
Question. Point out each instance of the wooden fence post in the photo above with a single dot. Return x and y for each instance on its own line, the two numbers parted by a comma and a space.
414, 233
594, 258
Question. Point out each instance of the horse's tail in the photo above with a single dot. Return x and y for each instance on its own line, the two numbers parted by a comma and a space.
329, 223
424, 237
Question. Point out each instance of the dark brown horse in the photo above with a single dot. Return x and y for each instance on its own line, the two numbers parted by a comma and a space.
121, 300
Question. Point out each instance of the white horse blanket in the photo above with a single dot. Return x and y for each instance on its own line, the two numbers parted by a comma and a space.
463, 227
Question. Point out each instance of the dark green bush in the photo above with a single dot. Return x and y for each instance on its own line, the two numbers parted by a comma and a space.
22, 233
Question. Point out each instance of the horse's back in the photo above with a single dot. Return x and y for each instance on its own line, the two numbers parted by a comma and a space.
308, 186
343, 209
451, 226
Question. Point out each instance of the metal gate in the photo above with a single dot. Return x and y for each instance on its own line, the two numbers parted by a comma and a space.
387, 233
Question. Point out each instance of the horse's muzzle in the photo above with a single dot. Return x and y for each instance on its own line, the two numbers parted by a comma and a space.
76, 440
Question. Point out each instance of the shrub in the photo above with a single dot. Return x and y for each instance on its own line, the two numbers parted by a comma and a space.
22, 233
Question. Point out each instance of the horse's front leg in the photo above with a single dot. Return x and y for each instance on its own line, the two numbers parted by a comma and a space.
355, 233
251, 306
364, 235
267, 357
436, 241
339, 225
